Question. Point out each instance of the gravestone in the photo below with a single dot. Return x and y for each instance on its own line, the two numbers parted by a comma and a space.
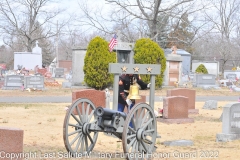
66, 84
232, 77
34, 82
210, 104
59, 72
182, 142
230, 123
231, 72
175, 110
96, 96
201, 80
189, 93
11, 141
42, 71
13, 82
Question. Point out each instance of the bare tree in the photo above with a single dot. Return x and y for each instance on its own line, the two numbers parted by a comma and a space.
151, 10
6, 56
128, 28
74, 37
18, 18
140, 18
224, 16
68, 39
208, 48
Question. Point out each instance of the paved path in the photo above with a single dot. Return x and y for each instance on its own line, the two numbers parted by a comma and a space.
68, 99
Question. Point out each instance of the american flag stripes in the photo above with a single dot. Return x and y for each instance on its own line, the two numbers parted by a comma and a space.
113, 42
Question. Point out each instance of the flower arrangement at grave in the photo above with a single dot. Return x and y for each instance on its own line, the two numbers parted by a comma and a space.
201, 69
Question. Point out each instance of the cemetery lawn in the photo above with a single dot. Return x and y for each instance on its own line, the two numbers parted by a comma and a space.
59, 91
43, 132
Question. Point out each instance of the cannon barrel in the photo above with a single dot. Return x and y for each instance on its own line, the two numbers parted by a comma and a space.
107, 113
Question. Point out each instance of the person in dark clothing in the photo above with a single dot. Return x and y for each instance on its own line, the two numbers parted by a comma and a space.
125, 81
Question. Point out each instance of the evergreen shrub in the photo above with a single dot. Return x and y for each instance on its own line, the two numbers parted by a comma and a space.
201, 69
149, 52
96, 64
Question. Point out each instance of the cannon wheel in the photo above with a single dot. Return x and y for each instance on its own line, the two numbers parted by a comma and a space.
140, 136
76, 135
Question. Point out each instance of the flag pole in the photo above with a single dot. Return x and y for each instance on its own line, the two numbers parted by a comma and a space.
116, 52
117, 46
113, 43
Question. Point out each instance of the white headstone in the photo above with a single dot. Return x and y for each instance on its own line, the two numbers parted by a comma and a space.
230, 123
37, 50
210, 104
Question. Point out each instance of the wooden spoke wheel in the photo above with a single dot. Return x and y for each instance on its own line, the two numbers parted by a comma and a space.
139, 132
76, 135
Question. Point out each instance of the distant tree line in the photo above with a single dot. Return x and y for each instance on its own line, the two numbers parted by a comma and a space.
200, 27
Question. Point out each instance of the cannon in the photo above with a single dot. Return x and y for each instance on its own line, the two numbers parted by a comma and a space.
109, 120
137, 129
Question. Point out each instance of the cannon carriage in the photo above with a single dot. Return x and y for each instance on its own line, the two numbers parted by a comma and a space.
137, 129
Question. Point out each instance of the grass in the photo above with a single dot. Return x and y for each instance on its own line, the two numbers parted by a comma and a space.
68, 92
158, 142
51, 120
118, 146
5, 121
46, 137
205, 118
26, 106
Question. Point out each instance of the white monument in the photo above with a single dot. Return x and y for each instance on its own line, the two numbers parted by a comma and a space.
28, 59
37, 50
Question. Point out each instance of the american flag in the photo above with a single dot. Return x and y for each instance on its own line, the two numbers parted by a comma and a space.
113, 42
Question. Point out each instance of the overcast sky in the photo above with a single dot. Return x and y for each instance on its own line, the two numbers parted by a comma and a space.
73, 5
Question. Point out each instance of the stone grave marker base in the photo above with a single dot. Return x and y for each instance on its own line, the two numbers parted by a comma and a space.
193, 111
10, 88
178, 143
178, 121
222, 137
